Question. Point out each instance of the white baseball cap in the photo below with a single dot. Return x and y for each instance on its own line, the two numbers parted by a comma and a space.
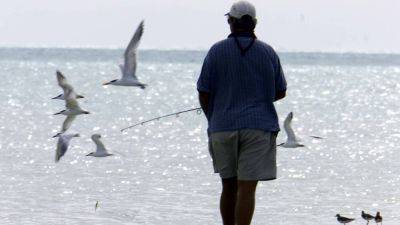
242, 8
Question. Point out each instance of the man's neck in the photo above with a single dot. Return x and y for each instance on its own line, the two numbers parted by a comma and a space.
242, 33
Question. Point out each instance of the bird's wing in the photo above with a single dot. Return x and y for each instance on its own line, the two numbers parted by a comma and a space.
61, 79
130, 55
62, 82
67, 123
291, 137
121, 67
100, 148
369, 216
345, 219
70, 101
67, 88
62, 146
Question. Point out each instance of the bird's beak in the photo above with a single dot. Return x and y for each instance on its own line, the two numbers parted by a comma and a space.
106, 83
58, 96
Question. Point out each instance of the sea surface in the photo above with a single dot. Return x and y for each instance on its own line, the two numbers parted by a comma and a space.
161, 173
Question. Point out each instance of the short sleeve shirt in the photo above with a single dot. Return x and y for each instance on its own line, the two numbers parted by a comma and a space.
241, 87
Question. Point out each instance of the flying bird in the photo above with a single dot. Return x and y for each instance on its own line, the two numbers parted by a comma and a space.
62, 144
378, 218
72, 106
367, 216
291, 141
342, 219
101, 150
128, 69
62, 82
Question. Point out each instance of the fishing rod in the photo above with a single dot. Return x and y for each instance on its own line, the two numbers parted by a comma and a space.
198, 109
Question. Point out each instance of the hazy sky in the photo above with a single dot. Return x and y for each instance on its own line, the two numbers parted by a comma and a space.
288, 25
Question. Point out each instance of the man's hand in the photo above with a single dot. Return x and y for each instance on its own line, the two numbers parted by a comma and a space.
279, 95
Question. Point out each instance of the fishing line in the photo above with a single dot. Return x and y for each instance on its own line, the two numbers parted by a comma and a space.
198, 109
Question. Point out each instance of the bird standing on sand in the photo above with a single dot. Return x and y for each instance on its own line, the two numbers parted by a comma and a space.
378, 218
344, 220
101, 151
62, 144
367, 216
128, 69
62, 82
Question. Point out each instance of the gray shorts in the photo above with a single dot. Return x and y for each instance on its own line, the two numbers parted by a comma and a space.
245, 154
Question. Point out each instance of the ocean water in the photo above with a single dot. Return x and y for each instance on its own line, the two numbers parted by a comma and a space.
162, 173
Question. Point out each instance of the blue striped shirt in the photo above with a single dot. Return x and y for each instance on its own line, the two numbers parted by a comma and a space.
242, 87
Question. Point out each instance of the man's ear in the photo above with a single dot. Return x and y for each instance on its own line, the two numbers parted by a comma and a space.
255, 21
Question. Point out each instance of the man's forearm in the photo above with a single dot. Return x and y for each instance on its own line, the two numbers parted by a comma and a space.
204, 99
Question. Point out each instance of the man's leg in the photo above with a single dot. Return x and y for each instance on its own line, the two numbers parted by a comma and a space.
245, 202
228, 200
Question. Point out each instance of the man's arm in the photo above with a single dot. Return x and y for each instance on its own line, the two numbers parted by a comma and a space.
204, 99
280, 81
204, 83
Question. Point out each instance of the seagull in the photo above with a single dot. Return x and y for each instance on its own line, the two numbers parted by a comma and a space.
128, 69
378, 218
101, 151
62, 82
367, 216
291, 141
62, 144
343, 220
72, 105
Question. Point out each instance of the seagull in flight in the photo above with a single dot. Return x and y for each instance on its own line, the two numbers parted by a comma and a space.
344, 220
62, 144
291, 141
101, 151
72, 106
128, 69
62, 82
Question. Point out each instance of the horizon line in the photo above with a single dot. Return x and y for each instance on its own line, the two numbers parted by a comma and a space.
198, 49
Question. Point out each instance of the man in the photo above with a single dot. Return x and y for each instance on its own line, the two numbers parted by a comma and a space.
240, 79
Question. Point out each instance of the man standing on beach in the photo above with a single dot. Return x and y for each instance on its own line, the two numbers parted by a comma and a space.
240, 80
